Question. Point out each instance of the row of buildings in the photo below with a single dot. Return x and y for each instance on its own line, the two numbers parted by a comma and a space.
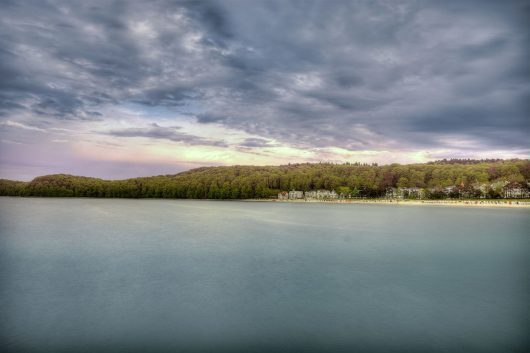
503, 189
309, 195
509, 190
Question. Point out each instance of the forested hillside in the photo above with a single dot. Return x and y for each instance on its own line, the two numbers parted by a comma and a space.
243, 182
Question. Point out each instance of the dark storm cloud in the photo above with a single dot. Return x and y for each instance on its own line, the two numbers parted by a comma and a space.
210, 117
256, 142
155, 131
212, 16
358, 75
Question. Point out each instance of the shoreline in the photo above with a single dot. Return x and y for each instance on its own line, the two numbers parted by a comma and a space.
489, 203
446, 203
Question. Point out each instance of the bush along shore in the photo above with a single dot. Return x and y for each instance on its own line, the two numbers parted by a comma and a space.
441, 180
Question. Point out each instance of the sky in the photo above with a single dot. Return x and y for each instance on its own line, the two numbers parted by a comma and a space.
118, 89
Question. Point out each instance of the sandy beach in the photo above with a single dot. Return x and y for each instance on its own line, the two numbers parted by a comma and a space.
451, 203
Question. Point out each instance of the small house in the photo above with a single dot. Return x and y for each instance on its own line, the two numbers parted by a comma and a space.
284, 195
310, 194
295, 194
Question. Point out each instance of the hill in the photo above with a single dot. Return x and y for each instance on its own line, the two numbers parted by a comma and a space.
244, 182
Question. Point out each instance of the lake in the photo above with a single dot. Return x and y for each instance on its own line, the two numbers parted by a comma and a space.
112, 275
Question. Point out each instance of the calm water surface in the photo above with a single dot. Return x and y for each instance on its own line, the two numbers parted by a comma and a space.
87, 275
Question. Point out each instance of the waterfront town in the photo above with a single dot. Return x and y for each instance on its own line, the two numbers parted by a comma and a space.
504, 189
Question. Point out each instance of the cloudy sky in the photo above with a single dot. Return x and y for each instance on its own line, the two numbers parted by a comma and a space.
119, 89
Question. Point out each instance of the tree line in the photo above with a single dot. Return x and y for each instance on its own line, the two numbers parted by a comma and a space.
244, 182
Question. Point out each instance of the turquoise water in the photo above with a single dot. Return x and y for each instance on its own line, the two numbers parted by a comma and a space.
88, 275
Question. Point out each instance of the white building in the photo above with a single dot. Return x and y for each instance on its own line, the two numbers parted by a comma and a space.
295, 194
284, 195
392, 193
516, 190
448, 189
415, 193
310, 194
326, 194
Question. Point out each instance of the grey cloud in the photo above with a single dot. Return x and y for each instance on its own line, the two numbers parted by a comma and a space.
347, 79
175, 96
211, 15
305, 73
485, 50
207, 117
256, 142
156, 131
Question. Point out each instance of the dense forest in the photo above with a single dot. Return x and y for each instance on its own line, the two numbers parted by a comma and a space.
244, 182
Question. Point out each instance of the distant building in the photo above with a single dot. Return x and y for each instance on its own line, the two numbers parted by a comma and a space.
321, 195
515, 190
326, 194
284, 195
391, 193
295, 194
412, 193
310, 194
448, 189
